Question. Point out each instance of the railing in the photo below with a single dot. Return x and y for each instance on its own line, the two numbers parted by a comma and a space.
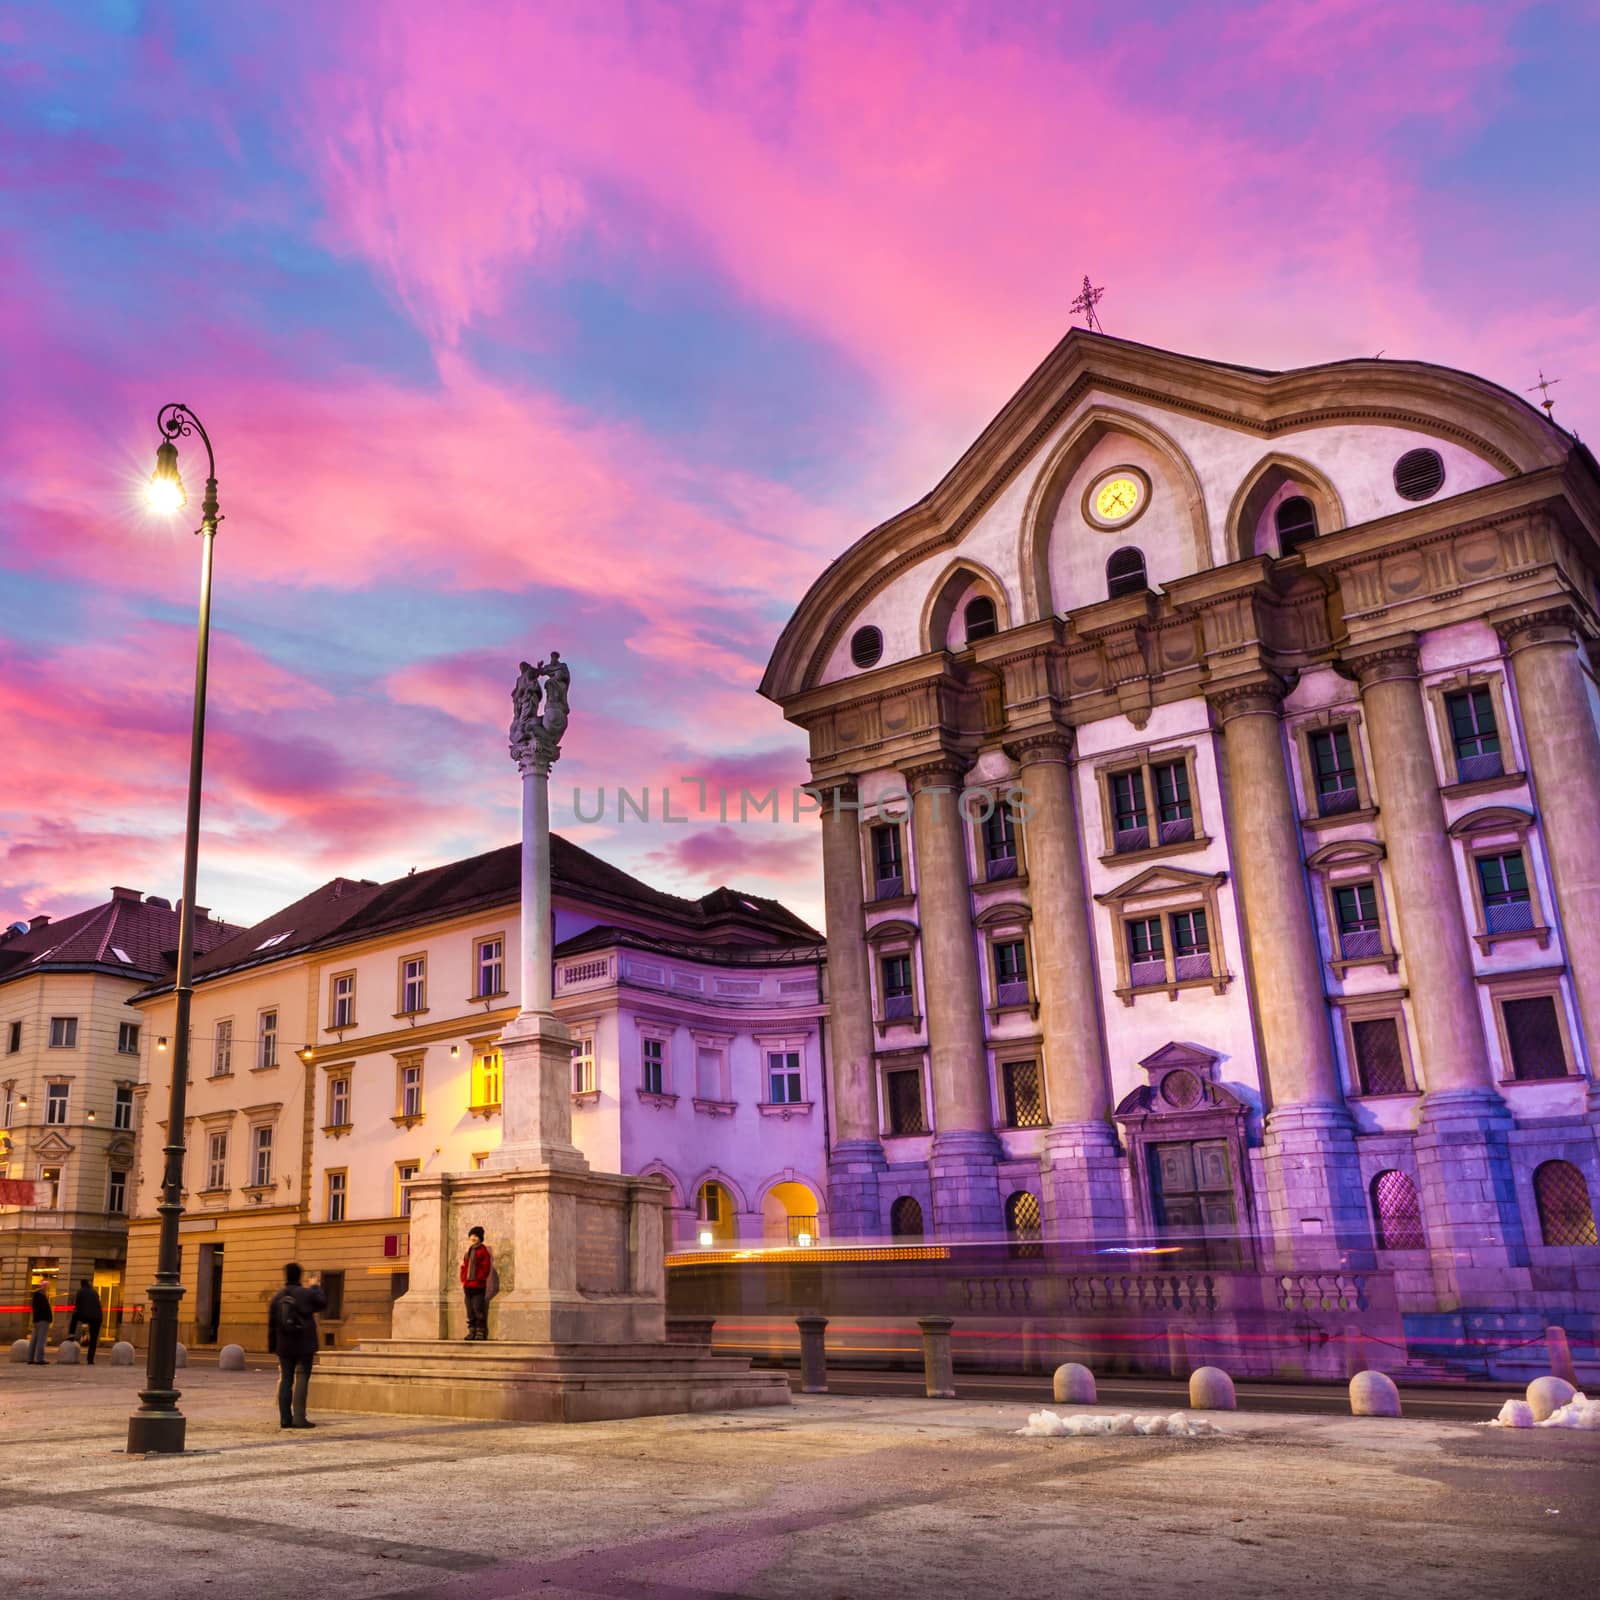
1197, 964
1130, 839
1001, 867
1149, 974
1175, 830
1335, 802
1509, 916
1487, 765
1360, 943
1322, 1291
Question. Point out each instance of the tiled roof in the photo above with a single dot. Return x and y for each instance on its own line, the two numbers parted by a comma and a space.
309, 921
608, 935
128, 934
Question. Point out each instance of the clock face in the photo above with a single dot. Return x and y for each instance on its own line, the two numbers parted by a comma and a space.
1118, 498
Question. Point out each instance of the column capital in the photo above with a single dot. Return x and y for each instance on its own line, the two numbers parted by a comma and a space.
1259, 696
1053, 745
835, 797
944, 770
1395, 660
1557, 623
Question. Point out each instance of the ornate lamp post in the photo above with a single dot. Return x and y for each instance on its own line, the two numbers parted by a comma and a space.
158, 1424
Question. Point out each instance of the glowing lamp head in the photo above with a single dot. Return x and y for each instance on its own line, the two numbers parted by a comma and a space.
707, 1238
803, 1240
165, 493
161, 1044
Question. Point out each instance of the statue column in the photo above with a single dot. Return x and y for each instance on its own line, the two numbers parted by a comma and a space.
1558, 728
1463, 1160
856, 1157
1080, 1164
966, 1188
1315, 1205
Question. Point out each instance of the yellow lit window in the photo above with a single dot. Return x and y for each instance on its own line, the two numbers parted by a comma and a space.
486, 1076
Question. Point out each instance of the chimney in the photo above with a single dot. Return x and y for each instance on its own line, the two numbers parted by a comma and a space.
119, 893
35, 923
201, 913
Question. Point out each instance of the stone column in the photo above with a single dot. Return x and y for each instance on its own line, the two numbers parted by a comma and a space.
855, 1158
1468, 1198
1558, 728
1081, 1166
966, 1189
1314, 1206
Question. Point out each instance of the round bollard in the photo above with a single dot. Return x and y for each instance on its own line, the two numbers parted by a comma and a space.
1373, 1394
19, 1350
68, 1353
180, 1356
1211, 1389
1074, 1385
1547, 1395
230, 1358
122, 1354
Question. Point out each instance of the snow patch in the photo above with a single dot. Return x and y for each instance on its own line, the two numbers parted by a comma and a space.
1578, 1412
1050, 1425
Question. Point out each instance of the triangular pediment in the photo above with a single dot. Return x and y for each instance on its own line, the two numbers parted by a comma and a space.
1160, 880
51, 1144
1178, 1053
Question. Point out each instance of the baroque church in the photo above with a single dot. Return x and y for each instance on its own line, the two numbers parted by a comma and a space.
1210, 833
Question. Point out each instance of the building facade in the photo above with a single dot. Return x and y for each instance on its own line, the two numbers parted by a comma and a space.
69, 1069
1209, 831
349, 1044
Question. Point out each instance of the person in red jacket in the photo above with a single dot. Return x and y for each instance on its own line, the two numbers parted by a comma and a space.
476, 1265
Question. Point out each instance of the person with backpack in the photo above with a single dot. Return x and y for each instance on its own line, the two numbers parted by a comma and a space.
43, 1315
292, 1337
87, 1311
477, 1272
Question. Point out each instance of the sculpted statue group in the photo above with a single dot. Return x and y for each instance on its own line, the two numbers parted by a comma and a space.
536, 734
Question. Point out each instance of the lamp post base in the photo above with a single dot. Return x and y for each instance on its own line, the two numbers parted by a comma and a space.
156, 1432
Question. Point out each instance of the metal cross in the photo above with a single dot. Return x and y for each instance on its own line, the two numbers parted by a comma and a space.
1543, 385
1086, 303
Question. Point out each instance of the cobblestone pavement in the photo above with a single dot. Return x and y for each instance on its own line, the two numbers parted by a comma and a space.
840, 1497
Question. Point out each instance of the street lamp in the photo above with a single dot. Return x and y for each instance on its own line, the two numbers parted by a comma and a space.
158, 1424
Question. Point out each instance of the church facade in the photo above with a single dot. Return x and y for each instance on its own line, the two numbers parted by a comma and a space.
1211, 843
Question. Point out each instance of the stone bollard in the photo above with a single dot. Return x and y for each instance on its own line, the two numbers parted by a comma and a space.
68, 1353
230, 1358
1561, 1355
1547, 1395
938, 1366
1177, 1352
122, 1354
1211, 1389
180, 1356
19, 1350
813, 1354
1355, 1350
1373, 1394
1074, 1385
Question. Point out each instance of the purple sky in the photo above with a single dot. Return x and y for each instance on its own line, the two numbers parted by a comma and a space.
606, 327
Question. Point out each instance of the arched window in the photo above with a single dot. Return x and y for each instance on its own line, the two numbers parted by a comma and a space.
1125, 572
905, 1218
1296, 521
712, 1204
980, 618
1023, 1224
1396, 1216
1565, 1214
866, 646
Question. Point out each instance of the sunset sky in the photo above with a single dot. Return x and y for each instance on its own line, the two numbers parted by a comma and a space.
605, 327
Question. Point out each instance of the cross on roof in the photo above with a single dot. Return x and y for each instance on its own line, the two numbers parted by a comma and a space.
1544, 385
1086, 301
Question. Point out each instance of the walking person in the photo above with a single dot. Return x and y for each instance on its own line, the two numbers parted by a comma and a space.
86, 1308
292, 1338
42, 1317
477, 1267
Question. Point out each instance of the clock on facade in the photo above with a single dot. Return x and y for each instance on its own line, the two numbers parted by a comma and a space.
1115, 498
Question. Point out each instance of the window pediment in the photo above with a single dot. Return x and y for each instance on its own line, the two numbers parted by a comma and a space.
1179, 1053
52, 1144
1346, 853
894, 929
1492, 819
1155, 882
1006, 914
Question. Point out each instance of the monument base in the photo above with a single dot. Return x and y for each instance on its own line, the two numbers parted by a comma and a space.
532, 1382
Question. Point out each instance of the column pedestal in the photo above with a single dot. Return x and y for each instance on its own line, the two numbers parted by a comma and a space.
964, 1170
855, 1208
1316, 1208
1082, 1169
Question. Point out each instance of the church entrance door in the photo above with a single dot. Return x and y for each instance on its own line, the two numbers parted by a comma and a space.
1191, 1187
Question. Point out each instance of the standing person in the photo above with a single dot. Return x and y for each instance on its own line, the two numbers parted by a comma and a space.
42, 1316
292, 1337
86, 1308
476, 1265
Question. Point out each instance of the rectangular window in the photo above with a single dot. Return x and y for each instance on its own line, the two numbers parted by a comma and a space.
1380, 1065
339, 1101
414, 984
404, 1172
8, 1110
1011, 973
898, 1000
1356, 908
50, 1183
261, 1158
1334, 768
222, 1049
1174, 810
267, 1042
1000, 843
1191, 945
783, 1077
1147, 955
63, 1033
491, 968
1533, 1036
888, 862
654, 1078
411, 1089
487, 1074
1130, 820
583, 1066
1507, 906
903, 1087
332, 1286
217, 1161
117, 1192
1023, 1097
127, 1038
13, 1038
122, 1113
344, 1001
55, 1103
1474, 735
337, 1185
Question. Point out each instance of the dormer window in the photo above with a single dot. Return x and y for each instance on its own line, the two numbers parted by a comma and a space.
1296, 522
980, 618
1125, 572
